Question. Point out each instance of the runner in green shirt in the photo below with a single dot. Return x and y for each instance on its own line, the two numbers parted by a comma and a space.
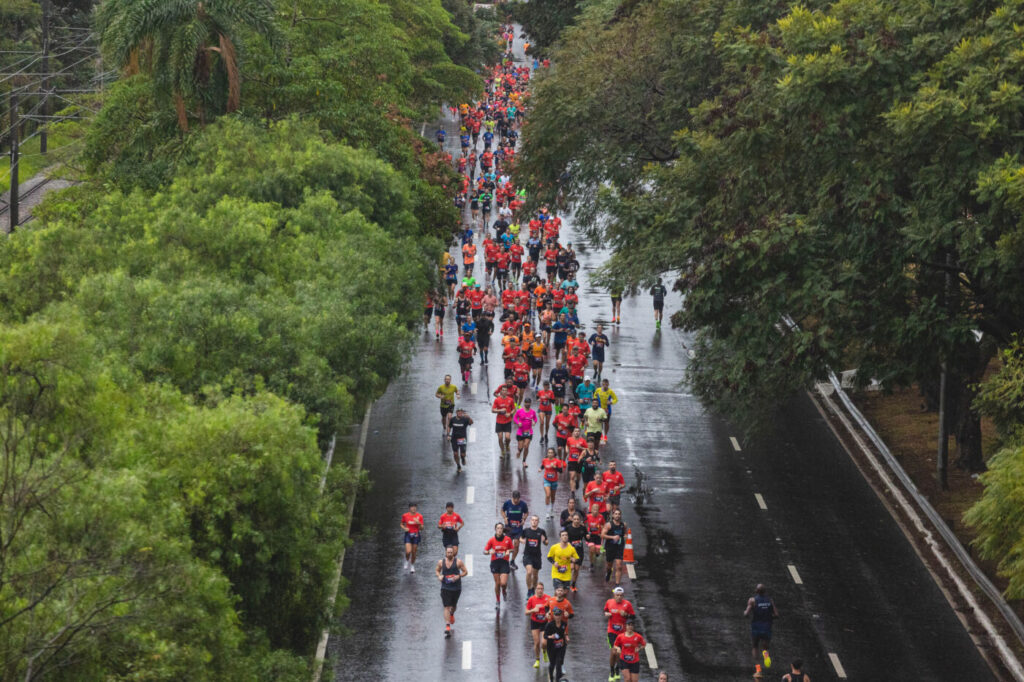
447, 392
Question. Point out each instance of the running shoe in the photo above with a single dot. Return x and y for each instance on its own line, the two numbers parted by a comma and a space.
604, 438
767, 659
412, 569
573, 589
447, 631
536, 664
545, 652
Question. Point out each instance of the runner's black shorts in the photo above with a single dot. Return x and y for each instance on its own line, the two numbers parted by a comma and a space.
559, 392
522, 383
631, 667
447, 409
500, 566
574, 466
538, 363
532, 560
450, 598
658, 305
534, 625
503, 428
612, 551
559, 441
524, 436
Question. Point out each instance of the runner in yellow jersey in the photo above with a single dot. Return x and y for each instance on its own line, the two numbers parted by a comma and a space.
606, 397
562, 557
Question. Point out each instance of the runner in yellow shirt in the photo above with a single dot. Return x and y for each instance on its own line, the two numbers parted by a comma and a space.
447, 393
562, 557
606, 397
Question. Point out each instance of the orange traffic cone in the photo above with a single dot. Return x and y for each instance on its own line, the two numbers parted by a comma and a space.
627, 552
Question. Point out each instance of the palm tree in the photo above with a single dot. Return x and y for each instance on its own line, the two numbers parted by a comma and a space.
187, 45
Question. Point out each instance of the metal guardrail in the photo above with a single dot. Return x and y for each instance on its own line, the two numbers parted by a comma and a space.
951, 540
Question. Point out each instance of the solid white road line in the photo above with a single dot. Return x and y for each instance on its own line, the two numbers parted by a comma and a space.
472, 434
840, 673
469, 565
631, 571
652, 660
760, 501
470, 494
474, 387
796, 576
467, 655
735, 443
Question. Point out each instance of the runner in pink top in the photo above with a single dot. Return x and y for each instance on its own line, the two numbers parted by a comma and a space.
524, 419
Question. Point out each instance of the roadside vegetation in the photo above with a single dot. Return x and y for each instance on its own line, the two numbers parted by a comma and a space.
182, 333
853, 166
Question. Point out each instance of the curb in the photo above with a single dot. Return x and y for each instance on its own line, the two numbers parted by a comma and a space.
321, 647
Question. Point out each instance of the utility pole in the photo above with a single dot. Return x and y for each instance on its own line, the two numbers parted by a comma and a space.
46, 79
15, 126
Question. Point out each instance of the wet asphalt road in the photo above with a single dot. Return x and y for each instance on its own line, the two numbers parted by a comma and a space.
717, 517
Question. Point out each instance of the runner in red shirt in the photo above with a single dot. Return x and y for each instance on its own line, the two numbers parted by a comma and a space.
521, 376
614, 483
595, 524
617, 610
597, 493
476, 301
552, 468
574, 446
577, 364
466, 349
515, 252
450, 524
545, 406
412, 522
537, 610
499, 547
503, 408
564, 424
627, 648
551, 262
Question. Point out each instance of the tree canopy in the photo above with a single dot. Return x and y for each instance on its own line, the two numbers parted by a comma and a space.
851, 166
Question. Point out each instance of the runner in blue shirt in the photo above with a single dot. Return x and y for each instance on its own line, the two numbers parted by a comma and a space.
514, 512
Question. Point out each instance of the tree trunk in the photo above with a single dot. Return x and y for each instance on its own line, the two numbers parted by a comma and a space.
965, 422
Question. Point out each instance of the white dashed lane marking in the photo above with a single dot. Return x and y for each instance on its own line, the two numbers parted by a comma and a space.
760, 501
840, 673
796, 576
470, 494
467, 655
735, 443
469, 565
631, 571
472, 434
652, 660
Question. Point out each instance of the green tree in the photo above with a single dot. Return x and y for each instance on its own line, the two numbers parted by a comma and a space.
189, 46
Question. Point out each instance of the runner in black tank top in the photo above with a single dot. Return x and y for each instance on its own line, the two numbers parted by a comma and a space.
614, 534
449, 572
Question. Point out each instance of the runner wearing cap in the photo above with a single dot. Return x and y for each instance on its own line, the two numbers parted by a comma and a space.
627, 647
556, 639
617, 610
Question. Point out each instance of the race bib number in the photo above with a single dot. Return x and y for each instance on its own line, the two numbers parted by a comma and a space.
616, 627
499, 555
562, 569
460, 441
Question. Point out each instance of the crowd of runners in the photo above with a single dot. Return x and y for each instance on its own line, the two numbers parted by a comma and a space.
526, 298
